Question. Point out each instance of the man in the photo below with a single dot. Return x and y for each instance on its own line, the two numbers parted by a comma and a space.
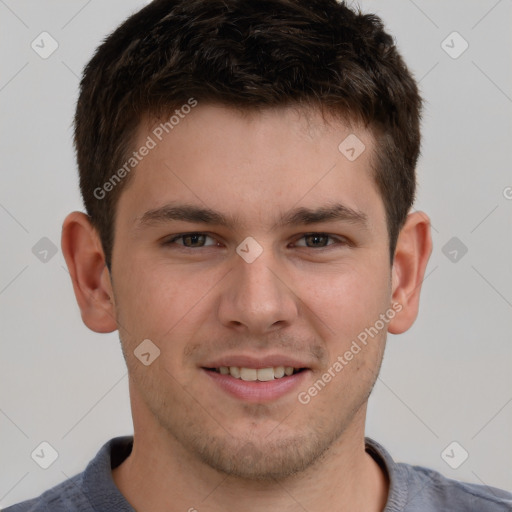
248, 171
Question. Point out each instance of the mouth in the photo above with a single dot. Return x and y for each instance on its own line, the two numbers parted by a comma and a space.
257, 385
256, 374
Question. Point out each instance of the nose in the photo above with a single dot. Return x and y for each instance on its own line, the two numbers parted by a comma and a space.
257, 297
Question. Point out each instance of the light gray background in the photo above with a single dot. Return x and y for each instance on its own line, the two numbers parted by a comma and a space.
447, 379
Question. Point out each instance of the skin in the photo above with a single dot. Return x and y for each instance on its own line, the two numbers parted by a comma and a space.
194, 445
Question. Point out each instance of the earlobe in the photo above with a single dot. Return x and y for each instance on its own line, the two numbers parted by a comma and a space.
413, 249
85, 259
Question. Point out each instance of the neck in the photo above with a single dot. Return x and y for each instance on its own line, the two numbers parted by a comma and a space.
160, 475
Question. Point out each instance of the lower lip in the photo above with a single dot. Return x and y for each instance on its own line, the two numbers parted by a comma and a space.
256, 391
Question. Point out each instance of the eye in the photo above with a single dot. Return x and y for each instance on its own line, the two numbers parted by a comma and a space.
319, 240
197, 240
190, 240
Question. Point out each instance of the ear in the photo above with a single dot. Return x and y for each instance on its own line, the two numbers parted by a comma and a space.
85, 259
413, 249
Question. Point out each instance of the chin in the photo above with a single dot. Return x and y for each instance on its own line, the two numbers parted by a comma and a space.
263, 461
262, 456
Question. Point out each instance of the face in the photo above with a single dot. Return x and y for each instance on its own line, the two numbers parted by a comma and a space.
252, 286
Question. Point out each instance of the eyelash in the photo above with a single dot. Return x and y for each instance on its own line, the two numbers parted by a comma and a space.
338, 240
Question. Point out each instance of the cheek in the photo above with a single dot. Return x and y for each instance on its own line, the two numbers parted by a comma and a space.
158, 300
346, 301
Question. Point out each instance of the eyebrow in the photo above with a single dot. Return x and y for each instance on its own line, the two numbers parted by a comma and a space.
298, 216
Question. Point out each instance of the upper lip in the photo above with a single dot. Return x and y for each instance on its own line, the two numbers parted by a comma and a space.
248, 361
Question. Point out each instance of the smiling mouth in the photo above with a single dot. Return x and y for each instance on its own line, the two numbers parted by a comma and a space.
257, 374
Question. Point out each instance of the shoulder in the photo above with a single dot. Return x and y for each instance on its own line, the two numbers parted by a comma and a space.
92, 489
64, 497
416, 488
430, 490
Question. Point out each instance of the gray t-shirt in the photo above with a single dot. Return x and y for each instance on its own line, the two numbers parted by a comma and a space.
412, 488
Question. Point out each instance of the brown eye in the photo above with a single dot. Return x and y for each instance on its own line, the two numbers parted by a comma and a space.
190, 240
320, 240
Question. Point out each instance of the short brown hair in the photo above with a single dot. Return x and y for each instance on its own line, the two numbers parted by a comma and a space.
248, 54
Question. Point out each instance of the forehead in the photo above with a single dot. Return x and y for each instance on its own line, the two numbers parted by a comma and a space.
252, 165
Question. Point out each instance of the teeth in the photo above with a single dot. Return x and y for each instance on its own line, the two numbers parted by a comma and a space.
279, 372
264, 374
248, 374
260, 374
